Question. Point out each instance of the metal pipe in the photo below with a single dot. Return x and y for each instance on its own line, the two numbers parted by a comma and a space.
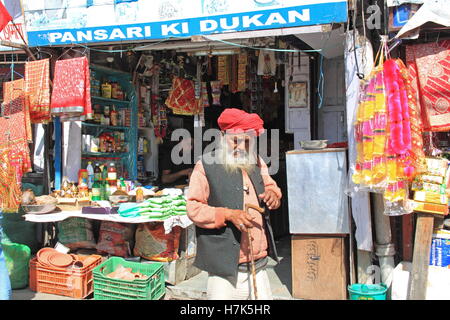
384, 247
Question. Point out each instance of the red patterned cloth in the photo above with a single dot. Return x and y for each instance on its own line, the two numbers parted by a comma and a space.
71, 95
182, 99
15, 133
37, 87
429, 67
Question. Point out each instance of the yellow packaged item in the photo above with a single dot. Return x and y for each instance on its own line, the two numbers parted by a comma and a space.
430, 207
433, 197
437, 166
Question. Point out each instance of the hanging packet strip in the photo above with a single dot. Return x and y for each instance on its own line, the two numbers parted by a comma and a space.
71, 95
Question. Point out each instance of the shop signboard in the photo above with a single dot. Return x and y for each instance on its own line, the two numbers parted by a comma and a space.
63, 22
10, 33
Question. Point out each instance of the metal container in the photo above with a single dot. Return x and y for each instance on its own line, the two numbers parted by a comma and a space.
316, 180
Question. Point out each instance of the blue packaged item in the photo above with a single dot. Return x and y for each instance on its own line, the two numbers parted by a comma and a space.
440, 250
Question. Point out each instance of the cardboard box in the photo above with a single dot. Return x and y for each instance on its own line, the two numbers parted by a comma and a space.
319, 267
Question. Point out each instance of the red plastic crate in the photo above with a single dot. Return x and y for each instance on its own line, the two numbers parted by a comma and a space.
70, 282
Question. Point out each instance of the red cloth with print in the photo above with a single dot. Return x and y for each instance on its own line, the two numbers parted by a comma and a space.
71, 95
182, 99
429, 67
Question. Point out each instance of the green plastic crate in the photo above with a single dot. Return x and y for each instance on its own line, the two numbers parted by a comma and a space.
153, 288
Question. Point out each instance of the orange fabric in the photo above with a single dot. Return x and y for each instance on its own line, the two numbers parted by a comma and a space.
15, 133
209, 217
37, 87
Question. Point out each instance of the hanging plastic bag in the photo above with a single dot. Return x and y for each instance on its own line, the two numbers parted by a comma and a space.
17, 258
5, 284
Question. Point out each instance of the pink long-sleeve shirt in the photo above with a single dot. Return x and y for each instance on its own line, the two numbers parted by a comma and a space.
209, 217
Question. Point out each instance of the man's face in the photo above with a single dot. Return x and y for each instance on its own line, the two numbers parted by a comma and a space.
238, 144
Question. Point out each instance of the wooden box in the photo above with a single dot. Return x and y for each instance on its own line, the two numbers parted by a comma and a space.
319, 267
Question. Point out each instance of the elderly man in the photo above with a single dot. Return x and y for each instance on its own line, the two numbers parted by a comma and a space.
217, 195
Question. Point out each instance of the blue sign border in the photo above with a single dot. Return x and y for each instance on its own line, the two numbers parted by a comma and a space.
322, 13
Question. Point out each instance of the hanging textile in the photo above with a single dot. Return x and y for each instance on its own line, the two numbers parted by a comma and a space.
159, 117
15, 134
223, 69
181, 97
356, 62
215, 92
71, 96
234, 74
242, 72
37, 88
429, 67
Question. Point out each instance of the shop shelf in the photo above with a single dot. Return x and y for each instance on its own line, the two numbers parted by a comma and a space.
112, 101
152, 288
93, 125
69, 282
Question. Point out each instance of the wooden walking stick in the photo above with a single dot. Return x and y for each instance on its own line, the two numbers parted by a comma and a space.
260, 210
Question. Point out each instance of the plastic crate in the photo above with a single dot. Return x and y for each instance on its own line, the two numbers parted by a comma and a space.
70, 282
152, 288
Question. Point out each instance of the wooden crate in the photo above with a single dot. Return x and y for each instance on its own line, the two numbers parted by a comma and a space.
319, 267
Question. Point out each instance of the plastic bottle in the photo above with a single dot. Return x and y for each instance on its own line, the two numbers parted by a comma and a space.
90, 171
139, 194
97, 173
96, 191
105, 173
112, 173
122, 185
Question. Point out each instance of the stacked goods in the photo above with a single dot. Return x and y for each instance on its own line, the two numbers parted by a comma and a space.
155, 208
430, 188
63, 274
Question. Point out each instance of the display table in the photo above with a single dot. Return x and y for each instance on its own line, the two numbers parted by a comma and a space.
170, 222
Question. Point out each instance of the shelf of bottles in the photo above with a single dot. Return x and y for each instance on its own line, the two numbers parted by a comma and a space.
111, 135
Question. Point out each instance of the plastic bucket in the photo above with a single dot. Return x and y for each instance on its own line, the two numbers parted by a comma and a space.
360, 291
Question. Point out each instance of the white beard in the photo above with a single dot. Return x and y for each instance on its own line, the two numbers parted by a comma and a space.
234, 162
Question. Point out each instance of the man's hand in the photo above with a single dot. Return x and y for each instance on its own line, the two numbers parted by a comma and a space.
270, 199
241, 219
186, 172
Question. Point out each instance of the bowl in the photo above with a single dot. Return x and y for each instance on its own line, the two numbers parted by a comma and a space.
313, 144
39, 208
119, 198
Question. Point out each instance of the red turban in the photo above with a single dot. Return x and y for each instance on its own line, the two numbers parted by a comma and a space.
238, 121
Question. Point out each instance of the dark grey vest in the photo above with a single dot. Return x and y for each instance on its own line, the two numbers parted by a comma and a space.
218, 249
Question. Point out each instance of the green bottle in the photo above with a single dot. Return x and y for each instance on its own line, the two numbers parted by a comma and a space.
122, 185
103, 190
96, 191
105, 173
